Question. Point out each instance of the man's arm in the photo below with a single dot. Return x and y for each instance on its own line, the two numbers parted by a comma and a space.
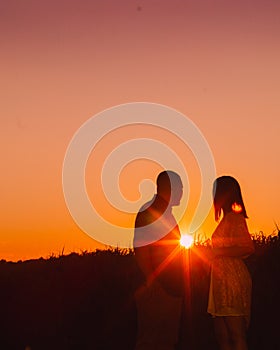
234, 251
142, 250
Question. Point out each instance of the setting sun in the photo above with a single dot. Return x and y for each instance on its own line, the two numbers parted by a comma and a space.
186, 241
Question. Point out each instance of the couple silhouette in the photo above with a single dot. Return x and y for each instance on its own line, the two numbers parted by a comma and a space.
160, 298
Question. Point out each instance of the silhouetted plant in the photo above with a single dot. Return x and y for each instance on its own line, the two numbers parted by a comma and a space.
85, 301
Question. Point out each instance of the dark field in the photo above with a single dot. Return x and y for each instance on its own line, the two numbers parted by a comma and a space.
86, 301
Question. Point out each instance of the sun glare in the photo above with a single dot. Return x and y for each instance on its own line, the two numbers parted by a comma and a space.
186, 241
236, 208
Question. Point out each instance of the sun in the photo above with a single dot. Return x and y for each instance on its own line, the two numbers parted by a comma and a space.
186, 241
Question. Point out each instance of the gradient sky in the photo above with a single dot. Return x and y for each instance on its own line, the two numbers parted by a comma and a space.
63, 61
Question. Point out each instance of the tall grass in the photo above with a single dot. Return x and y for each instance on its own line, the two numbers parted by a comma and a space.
85, 300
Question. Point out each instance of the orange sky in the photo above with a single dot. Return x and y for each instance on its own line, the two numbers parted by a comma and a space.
62, 62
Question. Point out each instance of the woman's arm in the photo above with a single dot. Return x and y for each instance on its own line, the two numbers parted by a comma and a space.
234, 251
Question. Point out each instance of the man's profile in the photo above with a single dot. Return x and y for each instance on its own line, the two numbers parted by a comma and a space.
158, 254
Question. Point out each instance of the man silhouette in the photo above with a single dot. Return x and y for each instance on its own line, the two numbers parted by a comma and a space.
158, 254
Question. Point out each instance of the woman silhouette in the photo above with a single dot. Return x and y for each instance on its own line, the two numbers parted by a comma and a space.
230, 287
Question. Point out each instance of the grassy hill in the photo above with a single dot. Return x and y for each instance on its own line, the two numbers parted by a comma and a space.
85, 301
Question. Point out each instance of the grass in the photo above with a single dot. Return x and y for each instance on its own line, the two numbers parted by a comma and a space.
85, 300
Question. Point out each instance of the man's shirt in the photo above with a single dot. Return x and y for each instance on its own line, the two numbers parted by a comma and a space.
157, 245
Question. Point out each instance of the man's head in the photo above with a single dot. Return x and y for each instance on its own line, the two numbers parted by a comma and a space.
170, 187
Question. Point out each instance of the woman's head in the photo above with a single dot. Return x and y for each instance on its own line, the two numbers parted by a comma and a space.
227, 196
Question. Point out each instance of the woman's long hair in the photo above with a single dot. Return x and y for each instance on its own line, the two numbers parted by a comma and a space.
227, 193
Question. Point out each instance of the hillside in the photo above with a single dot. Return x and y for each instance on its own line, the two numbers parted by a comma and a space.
86, 301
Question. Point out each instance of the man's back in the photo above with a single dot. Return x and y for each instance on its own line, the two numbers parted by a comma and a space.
157, 245
157, 251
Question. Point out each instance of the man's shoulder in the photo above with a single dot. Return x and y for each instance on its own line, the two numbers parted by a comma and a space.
144, 213
146, 206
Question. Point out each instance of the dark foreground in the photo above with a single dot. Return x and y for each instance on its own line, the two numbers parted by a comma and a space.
86, 301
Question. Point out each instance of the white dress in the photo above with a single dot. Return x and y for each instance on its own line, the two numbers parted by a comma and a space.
231, 285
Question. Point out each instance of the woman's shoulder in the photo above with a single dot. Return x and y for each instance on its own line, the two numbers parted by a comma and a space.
230, 223
236, 224
235, 221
